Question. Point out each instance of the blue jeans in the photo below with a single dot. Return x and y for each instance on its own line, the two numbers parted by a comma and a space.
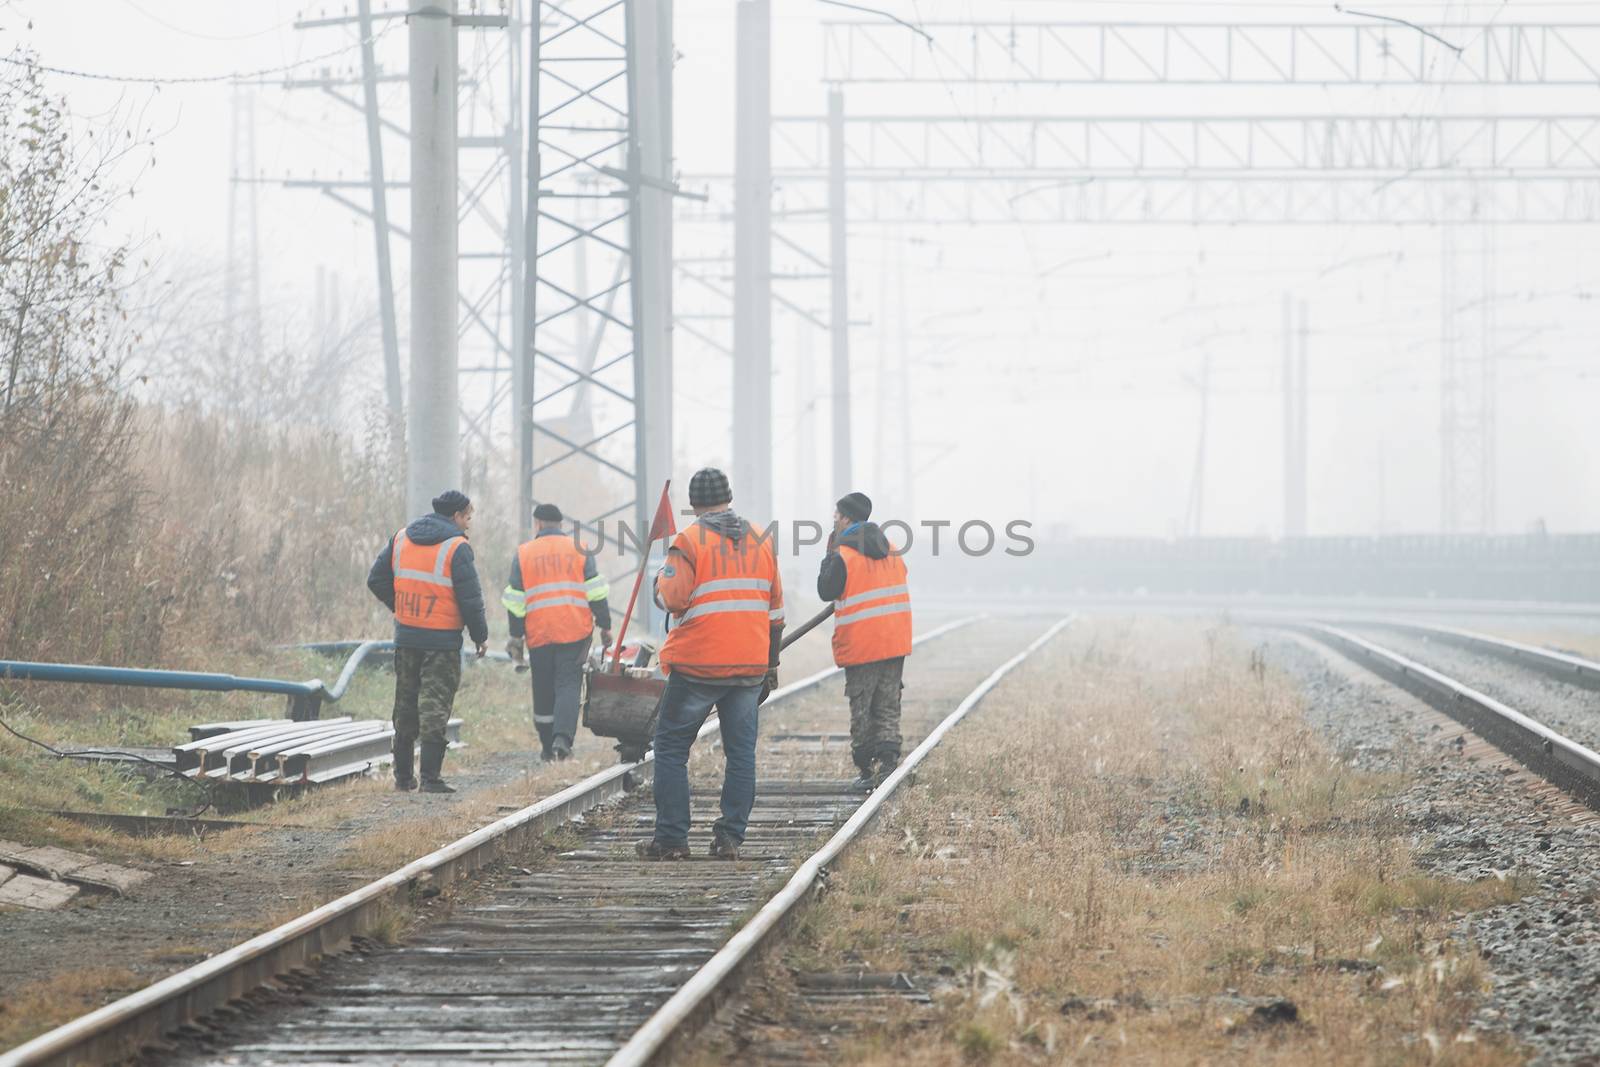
684, 707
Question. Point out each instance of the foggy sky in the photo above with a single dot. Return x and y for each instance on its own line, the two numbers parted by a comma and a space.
1066, 397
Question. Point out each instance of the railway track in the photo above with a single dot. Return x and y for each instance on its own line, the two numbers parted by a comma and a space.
1558, 745
560, 963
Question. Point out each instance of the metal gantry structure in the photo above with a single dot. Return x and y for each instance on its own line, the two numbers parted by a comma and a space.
1449, 171
596, 384
573, 317
1209, 53
561, 298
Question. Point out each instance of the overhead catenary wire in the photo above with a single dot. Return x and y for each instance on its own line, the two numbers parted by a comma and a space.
1457, 49
206, 79
159, 21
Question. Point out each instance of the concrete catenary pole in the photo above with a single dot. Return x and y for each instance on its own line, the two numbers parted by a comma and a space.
433, 460
380, 225
752, 263
650, 54
1294, 421
527, 307
839, 293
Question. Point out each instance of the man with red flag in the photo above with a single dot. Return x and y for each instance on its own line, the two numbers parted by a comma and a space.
720, 582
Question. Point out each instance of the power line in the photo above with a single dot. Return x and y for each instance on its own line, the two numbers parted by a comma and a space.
159, 21
129, 79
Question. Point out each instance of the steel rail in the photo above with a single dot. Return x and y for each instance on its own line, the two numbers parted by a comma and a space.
1547, 753
697, 998
118, 1030
1559, 665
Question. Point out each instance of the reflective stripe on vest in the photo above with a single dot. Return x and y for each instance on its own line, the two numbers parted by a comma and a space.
701, 604
872, 620
424, 586
555, 604
726, 630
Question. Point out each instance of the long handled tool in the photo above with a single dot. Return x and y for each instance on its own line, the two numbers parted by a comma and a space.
807, 626
789, 639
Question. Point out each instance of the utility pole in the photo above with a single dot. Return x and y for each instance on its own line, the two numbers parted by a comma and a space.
805, 474
650, 237
380, 228
242, 148
1294, 420
1302, 438
517, 203
839, 293
1194, 520
525, 357
752, 266
433, 427
903, 391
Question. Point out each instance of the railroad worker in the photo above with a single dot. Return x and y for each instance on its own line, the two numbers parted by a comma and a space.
720, 583
426, 576
554, 599
866, 580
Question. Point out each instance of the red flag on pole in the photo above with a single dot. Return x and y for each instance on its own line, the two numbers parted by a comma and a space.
661, 526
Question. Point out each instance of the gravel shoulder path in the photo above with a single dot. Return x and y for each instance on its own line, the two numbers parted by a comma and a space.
1469, 822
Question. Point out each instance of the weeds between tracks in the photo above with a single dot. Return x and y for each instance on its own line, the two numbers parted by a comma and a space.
1141, 851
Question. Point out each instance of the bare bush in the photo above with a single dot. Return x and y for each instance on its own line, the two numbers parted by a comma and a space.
235, 515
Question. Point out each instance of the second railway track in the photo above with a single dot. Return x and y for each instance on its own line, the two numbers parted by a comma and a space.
564, 962
1536, 706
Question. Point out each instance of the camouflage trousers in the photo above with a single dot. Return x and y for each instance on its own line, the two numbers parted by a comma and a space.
425, 683
874, 693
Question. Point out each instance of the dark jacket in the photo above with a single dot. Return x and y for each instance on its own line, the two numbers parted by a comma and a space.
864, 537
431, 530
600, 609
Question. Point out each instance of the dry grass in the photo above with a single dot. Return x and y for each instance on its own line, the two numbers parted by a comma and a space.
1084, 857
33, 1009
401, 840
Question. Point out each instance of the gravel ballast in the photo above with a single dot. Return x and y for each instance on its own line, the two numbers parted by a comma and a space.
1469, 822
1565, 708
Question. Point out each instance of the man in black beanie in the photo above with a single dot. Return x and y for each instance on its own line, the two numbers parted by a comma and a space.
720, 582
871, 633
426, 576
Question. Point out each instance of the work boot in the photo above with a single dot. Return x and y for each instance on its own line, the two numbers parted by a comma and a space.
723, 847
651, 850
432, 761
886, 765
547, 755
405, 778
561, 749
866, 780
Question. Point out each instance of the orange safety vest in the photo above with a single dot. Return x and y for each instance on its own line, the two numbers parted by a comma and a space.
424, 591
553, 591
726, 630
872, 620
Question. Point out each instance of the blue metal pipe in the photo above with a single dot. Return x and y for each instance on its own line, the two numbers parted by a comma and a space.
361, 652
305, 698
150, 679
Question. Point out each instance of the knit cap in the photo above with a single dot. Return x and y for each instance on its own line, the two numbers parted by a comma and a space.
451, 502
708, 488
855, 506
